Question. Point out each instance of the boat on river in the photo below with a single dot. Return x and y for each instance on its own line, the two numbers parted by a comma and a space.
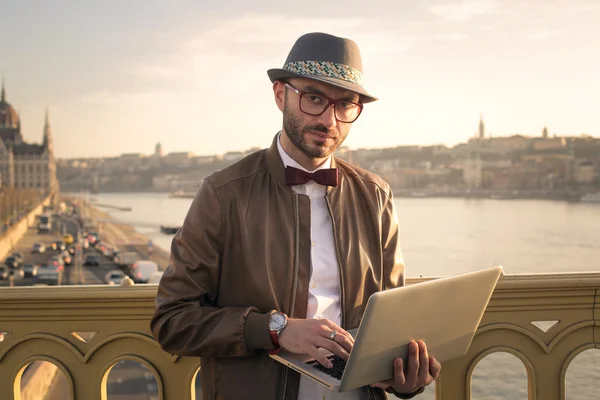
169, 229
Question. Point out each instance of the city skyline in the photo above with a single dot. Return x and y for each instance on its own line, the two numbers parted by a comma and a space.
119, 79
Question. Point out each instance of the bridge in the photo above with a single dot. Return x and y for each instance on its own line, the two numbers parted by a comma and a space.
545, 321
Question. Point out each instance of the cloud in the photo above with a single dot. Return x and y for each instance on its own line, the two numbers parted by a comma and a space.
541, 34
241, 49
466, 10
583, 9
451, 37
130, 99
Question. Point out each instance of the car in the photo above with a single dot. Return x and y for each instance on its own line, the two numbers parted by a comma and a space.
68, 260
3, 272
38, 247
91, 259
71, 250
17, 273
114, 277
58, 246
142, 270
18, 256
49, 274
12, 262
57, 260
68, 239
126, 259
30, 269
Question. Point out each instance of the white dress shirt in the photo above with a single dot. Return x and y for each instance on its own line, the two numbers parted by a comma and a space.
324, 286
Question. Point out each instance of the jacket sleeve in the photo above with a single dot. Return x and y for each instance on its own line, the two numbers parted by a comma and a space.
393, 261
187, 321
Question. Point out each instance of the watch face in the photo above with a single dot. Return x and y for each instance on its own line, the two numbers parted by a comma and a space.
277, 321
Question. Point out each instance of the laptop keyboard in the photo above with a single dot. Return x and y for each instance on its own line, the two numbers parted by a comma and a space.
338, 366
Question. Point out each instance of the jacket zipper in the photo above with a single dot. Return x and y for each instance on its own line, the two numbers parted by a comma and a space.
337, 254
295, 283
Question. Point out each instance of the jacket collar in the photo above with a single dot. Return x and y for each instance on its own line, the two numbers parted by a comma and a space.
276, 166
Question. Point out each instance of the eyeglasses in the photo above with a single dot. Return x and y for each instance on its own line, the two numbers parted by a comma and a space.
316, 104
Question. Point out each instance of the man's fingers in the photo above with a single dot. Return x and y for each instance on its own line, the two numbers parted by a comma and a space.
399, 377
343, 341
320, 357
434, 368
413, 364
339, 331
333, 347
423, 376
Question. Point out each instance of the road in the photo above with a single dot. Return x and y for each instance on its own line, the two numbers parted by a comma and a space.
128, 379
24, 246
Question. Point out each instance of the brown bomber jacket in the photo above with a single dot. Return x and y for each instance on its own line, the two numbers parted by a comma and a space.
244, 250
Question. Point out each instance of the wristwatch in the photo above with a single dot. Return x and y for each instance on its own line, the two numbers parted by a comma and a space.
277, 323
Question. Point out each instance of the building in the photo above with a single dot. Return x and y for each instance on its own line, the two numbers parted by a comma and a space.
24, 165
181, 159
585, 172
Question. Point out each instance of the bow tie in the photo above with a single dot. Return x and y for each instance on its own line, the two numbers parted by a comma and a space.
326, 176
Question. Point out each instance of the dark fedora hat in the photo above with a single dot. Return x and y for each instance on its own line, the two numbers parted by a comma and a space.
325, 58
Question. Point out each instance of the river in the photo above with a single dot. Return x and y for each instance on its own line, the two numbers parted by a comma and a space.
447, 236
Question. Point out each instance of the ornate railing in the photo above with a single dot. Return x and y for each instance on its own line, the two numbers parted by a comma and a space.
51, 324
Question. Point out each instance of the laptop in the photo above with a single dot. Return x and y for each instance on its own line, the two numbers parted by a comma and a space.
445, 313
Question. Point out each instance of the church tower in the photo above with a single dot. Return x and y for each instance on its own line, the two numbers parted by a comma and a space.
48, 149
47, 141
481, 128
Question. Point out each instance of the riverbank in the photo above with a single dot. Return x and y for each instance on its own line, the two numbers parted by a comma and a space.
570, 196
125, 237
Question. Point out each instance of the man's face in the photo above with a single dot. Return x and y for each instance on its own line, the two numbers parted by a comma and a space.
315, 136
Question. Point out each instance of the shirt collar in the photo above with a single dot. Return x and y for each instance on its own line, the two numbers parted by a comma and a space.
290, 162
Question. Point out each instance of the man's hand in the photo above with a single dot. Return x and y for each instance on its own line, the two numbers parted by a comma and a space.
421, 371
305, 336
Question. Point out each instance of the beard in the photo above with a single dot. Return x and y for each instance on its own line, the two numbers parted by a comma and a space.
292, 124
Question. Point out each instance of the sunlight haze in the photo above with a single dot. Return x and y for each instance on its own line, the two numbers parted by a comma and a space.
120, 76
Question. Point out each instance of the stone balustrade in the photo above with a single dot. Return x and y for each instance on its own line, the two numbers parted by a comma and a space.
544, 320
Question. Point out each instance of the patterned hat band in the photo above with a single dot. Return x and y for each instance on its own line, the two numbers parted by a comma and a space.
327, 69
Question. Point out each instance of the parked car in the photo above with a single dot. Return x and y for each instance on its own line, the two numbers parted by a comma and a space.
114, 277
38, 247
30, 269
49, 274
3, 272
91, 259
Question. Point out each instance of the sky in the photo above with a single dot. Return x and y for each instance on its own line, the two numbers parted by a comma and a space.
118, 76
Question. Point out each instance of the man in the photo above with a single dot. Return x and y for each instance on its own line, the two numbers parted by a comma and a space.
270, 256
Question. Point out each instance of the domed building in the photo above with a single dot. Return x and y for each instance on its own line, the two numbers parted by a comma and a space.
24, 165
